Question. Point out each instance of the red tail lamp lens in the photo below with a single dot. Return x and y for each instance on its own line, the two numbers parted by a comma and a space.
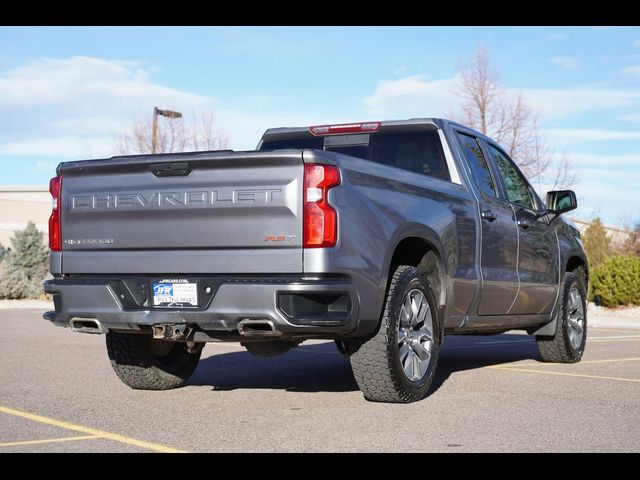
320, 224
55, 230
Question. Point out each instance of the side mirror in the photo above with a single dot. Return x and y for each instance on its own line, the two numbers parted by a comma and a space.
561, 201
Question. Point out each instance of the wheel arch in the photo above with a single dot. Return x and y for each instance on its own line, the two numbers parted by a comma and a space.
420, 247
574, 261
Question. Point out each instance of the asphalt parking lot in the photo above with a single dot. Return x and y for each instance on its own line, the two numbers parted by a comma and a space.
59, 394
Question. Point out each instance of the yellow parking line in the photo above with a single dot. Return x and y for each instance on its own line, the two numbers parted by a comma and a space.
47, 440
563, 374
587, 362
114, 437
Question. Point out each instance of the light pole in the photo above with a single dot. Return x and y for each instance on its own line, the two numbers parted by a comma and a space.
154, 128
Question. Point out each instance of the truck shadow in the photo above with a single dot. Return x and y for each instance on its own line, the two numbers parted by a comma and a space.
470, 352
319, 367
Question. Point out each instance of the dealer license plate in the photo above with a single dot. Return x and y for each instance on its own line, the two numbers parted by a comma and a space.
174, 292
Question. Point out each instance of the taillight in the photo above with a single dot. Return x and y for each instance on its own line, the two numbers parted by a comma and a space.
55, 233
345, 128
320, 224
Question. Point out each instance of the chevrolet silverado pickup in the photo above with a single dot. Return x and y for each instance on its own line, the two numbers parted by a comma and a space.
383, 236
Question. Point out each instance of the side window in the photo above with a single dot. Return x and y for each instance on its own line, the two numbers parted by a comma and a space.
518, 190
419, 152
478, 164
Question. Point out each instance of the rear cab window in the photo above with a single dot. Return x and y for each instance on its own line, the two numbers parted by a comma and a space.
417, 151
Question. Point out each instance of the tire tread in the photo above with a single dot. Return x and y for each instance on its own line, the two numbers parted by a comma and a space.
134, 364
557, 349
372, 366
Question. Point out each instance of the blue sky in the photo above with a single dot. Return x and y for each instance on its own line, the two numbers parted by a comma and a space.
69, 92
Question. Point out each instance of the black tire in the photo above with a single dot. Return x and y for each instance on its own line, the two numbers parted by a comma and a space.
376, 363
559, 348
147, 364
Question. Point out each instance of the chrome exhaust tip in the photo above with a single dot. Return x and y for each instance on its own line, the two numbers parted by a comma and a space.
86, 325
257, 328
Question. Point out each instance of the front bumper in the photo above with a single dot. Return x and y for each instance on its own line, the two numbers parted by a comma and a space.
293, 304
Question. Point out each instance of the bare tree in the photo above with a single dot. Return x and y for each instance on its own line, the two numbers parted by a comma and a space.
173, 135
479, 93
490, 108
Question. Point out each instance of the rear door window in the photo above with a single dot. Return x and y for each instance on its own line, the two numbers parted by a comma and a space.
478, 165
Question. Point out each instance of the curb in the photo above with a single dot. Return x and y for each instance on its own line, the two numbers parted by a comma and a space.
26, 304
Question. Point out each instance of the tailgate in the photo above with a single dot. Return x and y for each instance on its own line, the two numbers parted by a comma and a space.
231, 212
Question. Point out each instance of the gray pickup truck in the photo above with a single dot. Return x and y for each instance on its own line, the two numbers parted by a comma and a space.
382, 236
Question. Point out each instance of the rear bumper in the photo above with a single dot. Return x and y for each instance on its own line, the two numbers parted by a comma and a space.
297, 307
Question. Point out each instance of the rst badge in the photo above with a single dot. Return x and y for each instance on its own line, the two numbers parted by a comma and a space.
279, 238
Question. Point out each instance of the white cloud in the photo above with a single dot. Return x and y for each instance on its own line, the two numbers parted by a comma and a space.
565, 62
413, 96
597, 196
78, 106
613, 163
631, 117
554, 103
67, 146
51, 81
632, 70
417, 96
606, 186
573, 136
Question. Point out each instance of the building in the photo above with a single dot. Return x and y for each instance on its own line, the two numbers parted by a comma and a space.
21, 204
617, 235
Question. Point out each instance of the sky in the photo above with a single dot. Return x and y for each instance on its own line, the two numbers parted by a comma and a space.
68, 93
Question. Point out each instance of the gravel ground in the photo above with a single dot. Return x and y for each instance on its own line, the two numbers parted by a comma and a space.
614, 317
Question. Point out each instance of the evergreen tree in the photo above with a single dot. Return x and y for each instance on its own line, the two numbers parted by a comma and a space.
596, 243
25, 268
3, 252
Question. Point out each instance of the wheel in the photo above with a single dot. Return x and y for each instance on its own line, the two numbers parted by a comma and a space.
144, 363
568, 343
398, 362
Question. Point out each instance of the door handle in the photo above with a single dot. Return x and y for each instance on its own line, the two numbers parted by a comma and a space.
524, 224
489, 215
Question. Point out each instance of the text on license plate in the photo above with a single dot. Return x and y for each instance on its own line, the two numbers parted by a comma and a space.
175, 294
